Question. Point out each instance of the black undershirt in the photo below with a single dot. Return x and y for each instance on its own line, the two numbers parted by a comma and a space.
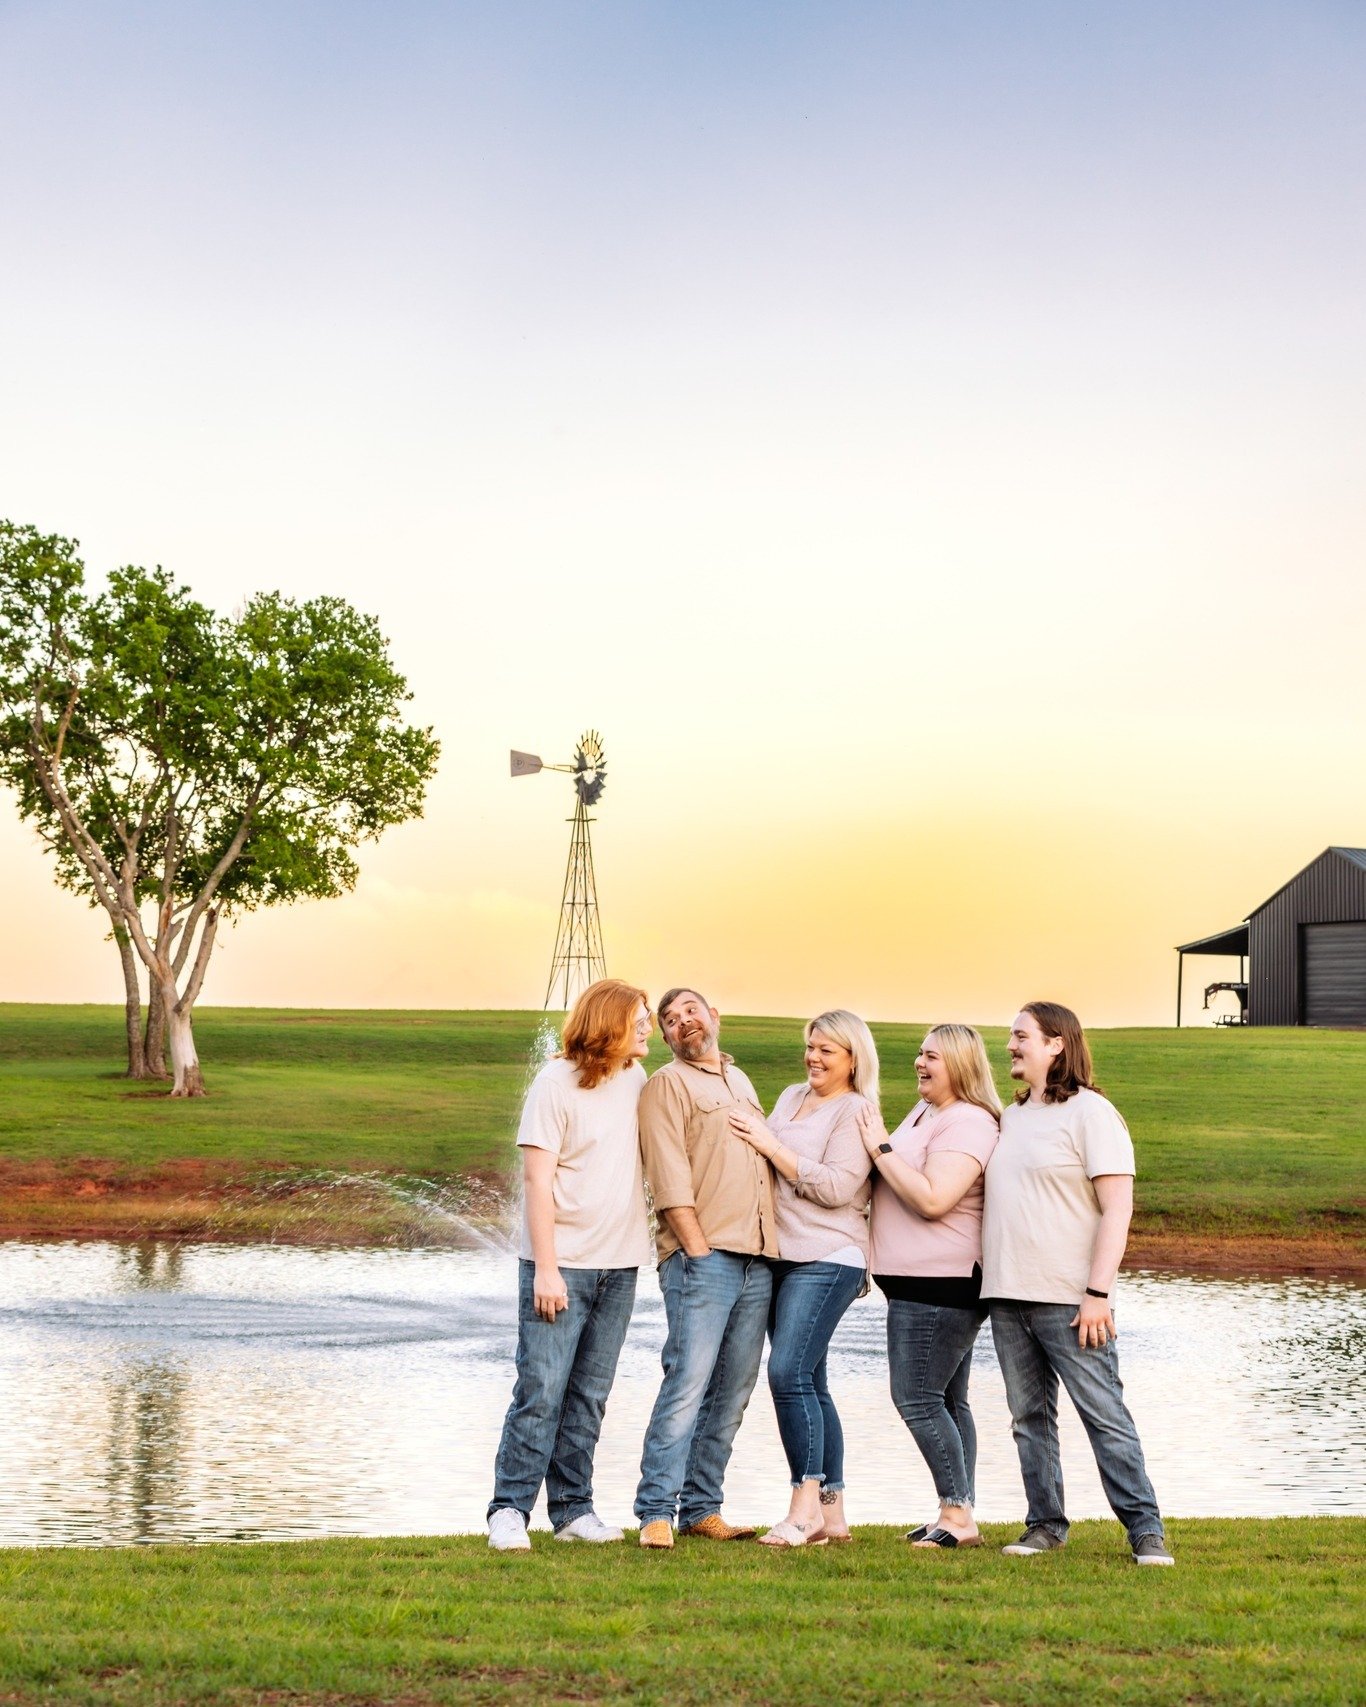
957, 1291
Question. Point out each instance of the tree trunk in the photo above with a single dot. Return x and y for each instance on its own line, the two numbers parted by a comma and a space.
154, 1048
132, 1005
188, 1080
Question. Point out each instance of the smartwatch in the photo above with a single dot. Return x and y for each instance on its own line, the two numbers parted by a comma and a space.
884, 1149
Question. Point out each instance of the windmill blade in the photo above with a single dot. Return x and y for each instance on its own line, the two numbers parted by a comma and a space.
590, 768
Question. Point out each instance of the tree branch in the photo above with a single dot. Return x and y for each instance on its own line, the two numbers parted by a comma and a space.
201, 960
83, 844
209, 888
64, 725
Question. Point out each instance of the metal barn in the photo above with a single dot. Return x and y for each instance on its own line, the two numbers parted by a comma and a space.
1304, 949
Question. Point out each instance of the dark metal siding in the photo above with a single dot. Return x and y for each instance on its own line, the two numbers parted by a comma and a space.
1330, 891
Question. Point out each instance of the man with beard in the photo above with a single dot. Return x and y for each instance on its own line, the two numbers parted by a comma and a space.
713, 1195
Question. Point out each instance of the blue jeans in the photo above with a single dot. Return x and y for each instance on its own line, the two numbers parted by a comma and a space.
808, 1300
929, 1353
564, 1374
717, 1310
1035, 1348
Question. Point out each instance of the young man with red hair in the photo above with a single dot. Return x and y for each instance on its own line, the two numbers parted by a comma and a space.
584, 1236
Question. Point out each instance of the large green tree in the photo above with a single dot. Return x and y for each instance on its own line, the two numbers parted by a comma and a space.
183, 766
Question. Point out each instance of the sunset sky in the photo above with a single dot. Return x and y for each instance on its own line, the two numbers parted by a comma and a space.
927, 440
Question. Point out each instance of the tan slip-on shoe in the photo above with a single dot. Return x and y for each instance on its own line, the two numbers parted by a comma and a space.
714, 1527
657, 1533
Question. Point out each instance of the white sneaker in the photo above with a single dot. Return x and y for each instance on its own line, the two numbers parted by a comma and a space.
507, 1531
589, 1527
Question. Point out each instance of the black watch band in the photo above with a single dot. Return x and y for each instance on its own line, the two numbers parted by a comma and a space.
884, 1149
1092, 1293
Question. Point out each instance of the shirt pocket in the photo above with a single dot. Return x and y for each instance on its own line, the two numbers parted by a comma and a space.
708, 1126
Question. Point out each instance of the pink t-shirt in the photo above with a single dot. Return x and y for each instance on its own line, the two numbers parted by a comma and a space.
903, 1241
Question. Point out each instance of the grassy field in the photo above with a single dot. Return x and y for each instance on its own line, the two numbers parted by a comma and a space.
1256, 1132
1256, 1612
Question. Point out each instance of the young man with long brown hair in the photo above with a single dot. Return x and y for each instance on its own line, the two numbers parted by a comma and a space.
584, 1236
1059, 1195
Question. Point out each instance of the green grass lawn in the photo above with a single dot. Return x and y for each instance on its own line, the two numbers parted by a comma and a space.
1255, 1131
1255, 1612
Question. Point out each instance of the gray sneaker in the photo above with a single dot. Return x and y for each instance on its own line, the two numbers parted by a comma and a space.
1034, 1541
1151, 1550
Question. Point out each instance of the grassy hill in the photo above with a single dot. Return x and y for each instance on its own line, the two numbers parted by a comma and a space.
1266, 1611
1259, 1132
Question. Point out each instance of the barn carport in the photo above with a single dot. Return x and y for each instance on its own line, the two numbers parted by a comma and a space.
1229, 942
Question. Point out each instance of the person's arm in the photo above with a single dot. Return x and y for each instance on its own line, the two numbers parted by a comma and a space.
946, 1179
1094, 1320
664, 1153
538, 1174
834, 1180
687, 1229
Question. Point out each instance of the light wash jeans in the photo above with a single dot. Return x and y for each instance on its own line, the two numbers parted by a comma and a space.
1035, 1348
565, 1370
809, 1298
929, 1354
717, 1311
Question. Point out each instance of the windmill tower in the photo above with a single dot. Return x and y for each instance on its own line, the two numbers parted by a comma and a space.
578, 960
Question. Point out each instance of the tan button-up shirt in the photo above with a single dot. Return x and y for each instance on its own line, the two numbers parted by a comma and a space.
694, 1161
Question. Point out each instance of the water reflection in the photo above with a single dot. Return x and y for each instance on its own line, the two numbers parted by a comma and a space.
156, 1392
147, 1399
151, 1265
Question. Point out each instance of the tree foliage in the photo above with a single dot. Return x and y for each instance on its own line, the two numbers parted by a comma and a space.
183, 766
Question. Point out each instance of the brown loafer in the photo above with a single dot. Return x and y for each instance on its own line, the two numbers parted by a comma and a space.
715, 1528
657, 1533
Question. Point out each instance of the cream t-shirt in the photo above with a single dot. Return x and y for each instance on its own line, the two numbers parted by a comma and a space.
598, 1188
1041, 1213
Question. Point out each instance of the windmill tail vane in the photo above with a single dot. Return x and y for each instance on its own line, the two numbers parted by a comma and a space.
578, 960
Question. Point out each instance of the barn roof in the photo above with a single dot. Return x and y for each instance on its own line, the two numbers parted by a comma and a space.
1355, 856
1223, 942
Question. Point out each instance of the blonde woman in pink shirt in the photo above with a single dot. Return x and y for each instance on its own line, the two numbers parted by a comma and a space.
820, 1200
926, 1255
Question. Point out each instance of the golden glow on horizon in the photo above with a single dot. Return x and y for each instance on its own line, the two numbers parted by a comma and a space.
950, 514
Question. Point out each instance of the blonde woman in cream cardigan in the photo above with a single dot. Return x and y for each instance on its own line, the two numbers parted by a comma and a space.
820, 1204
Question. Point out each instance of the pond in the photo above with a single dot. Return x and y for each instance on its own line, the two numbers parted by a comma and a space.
209, 1392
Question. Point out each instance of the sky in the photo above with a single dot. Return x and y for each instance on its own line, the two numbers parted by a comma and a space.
926, 440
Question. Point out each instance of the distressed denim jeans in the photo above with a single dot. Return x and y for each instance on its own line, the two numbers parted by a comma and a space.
929, 1354
565, 1370
1036, 1348
809, 1298
717, 1311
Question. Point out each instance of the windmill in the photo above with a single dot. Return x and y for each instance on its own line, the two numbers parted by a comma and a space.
578, 960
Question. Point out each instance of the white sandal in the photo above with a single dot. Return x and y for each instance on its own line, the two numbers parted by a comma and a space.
790, 1533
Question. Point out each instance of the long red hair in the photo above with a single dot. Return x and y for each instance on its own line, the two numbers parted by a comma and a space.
600, 1030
